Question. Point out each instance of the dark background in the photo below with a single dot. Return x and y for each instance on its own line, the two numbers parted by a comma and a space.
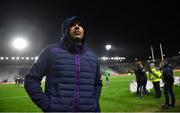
131, 26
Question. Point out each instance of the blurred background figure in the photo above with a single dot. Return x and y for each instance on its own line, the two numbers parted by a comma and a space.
107, 74
141, 79
155, 78
19, 80
168, 79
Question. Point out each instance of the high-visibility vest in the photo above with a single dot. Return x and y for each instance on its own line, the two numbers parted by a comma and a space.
154, 75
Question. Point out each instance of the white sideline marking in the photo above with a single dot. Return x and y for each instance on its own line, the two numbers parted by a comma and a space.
13, 97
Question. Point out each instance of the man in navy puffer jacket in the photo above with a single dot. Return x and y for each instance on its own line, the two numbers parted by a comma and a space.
73, 81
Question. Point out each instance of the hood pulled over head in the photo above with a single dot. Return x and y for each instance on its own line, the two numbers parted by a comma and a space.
66, 28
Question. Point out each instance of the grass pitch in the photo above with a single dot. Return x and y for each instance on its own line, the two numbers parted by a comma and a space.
114, 98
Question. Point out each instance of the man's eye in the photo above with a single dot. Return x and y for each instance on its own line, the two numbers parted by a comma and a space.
73, 24
78, 23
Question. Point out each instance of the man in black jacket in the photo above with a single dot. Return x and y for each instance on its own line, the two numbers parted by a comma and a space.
168, 79
141, 79
73, 81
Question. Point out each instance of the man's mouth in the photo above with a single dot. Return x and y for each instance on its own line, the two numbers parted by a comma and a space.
77, 32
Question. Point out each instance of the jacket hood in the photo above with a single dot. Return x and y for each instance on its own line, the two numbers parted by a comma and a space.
66, 26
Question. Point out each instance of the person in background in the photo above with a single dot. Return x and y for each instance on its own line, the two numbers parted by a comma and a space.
107, 74
168, 79
141, 79
155, 78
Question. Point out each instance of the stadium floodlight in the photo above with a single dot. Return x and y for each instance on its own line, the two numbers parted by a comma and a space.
135, 59
108, 47
7, 58
19, 43
104, 58
148, 61
36, 58
27, 58
2, 58
17, 58
12, 58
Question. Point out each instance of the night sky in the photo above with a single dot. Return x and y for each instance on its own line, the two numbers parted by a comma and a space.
130, 26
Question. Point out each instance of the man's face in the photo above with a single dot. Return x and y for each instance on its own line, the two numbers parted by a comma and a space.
76, 31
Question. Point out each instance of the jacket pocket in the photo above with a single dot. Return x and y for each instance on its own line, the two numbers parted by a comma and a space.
88, 105
59, 104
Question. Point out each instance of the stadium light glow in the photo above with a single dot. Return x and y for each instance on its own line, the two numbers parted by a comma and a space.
19, 43
2, 58
116, 58
108, 47
27, 58
7, 58
17, 58
36, 58
12, 58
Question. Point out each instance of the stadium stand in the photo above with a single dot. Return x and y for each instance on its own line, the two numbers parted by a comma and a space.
12, 68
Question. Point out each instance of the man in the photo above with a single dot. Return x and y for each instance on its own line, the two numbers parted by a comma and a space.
155, 78
168, 79
141, 79
73, 82
17, 80
107, 75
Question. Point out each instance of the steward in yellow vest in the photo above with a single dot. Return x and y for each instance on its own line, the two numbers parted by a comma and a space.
155, 77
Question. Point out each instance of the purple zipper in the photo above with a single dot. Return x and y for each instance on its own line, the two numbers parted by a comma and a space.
77, 62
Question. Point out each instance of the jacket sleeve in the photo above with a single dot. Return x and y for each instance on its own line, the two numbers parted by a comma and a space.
156, 74
33, 81
98, 83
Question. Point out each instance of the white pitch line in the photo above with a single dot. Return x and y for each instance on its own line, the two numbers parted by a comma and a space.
13, 97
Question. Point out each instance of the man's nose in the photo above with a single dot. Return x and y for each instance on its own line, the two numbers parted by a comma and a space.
76, 26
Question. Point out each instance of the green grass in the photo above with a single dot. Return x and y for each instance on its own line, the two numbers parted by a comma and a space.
15, 99
118, 98
114, 98
177, 73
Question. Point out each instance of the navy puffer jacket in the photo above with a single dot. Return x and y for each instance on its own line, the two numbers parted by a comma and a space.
168, 75
73, 82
